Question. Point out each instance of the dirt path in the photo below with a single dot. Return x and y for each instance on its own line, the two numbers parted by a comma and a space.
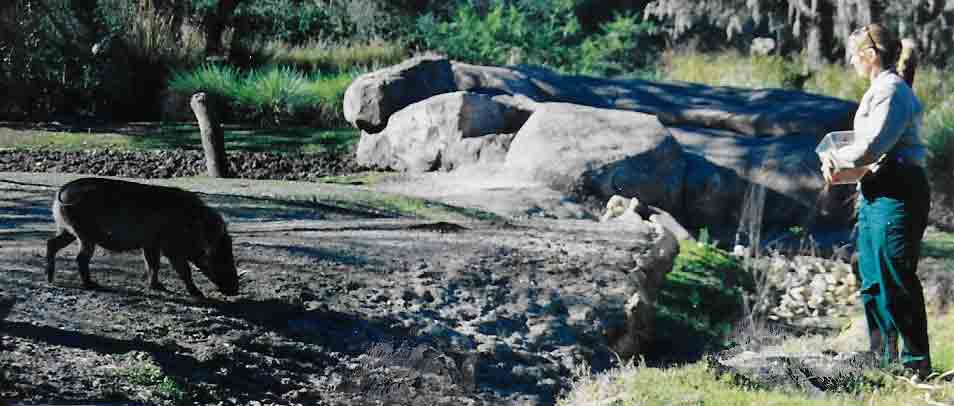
341, 306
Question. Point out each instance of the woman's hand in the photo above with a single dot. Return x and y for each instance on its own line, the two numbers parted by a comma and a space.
827, 167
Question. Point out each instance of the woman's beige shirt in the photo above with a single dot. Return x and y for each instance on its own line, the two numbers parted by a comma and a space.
888, 121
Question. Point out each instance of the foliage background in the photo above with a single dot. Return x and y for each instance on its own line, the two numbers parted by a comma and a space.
286, 62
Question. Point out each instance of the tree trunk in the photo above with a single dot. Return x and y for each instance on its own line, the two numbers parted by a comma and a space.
818, 15
215, 24
213, 138
814, 53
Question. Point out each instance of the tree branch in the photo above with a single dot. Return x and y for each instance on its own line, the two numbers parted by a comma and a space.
935, 8
804, 8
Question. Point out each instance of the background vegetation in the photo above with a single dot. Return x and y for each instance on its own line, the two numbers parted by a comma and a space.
88, 58
281, 63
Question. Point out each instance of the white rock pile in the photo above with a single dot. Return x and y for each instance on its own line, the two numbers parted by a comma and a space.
806, 290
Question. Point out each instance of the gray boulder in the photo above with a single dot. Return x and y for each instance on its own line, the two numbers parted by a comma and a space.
424, 135
762, 112
594, 152
488, 150
373, 97
517, 110
733, 139
496, 80
722, 165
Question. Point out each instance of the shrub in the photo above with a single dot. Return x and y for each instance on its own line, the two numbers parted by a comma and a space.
933, 86
938, 134
271, 96
45, 68
297, 22
509, 33
619, 48
150, 35
217, 80
328, 90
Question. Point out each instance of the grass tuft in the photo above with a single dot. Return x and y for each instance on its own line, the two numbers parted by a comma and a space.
325, 57
271, 96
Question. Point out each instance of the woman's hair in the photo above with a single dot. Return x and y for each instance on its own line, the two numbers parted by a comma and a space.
894, 53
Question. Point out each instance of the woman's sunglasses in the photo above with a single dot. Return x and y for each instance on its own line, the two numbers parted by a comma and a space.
874, 46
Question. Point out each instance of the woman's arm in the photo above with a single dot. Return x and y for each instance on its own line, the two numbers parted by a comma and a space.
878, 129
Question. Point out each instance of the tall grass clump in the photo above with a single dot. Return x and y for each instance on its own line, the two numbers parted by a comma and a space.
735, 70
837, 81
318, 56
217, 80
270, 96
773, 71
328, 90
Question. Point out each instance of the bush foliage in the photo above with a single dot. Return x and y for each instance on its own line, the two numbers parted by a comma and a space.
510, 33
270, 96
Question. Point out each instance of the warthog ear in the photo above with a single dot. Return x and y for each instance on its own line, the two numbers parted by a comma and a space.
211, 229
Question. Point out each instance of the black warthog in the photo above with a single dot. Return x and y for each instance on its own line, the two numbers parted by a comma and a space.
120, 216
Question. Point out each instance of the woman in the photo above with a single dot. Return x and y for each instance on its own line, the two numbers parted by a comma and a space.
894, 198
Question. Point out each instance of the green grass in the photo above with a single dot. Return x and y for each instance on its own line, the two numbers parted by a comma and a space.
361, 178
348, 197
271, 96
836, 80
28, 139
185, 136
732, 69
322, 57
695, 384
703, 268
699, 301
153, 384
939, 246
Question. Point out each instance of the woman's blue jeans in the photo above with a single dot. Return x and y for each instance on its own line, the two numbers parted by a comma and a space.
892, 216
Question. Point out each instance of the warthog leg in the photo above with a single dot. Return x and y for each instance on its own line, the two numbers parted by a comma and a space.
54, 245
82, 262
185, 273
151, 256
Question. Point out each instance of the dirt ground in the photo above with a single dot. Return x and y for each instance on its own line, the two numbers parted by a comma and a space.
340, 307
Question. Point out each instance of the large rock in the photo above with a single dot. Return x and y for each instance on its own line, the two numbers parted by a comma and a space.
601, 153
488, 149
424, 135
373, 97
723, 165
496, 80
735, 140
759, 112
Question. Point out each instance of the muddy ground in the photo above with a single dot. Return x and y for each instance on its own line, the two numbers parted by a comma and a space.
342, 306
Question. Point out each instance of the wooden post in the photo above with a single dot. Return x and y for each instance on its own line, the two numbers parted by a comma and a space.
213, 138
